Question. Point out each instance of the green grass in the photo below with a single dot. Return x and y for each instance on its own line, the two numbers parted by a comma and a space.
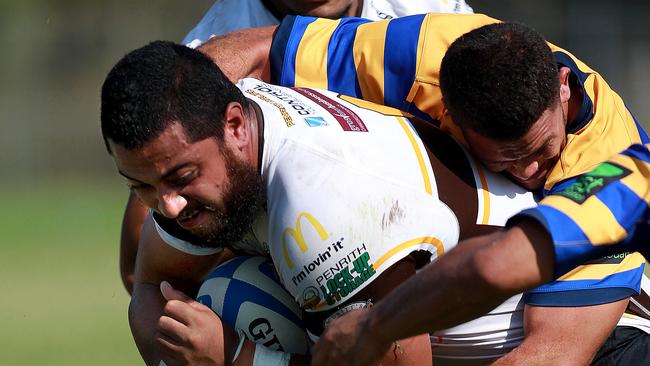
62, 301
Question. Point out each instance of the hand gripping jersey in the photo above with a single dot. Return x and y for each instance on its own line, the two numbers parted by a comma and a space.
397, 63
225, 16
352, 191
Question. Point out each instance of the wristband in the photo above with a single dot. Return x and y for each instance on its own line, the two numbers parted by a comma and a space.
266, 357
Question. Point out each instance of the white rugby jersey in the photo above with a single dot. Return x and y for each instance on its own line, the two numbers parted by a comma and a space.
351, 191
228, 15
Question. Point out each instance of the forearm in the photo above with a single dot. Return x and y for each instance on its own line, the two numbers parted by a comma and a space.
145, 309
551, 337
135, 215
465, 283
243, 53
434, 299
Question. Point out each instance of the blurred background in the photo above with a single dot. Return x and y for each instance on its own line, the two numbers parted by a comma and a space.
61, 299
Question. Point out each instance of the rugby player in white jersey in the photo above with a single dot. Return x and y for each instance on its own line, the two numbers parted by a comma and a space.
226, 16
348, 198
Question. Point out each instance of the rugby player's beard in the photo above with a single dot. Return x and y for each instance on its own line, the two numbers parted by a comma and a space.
243, 199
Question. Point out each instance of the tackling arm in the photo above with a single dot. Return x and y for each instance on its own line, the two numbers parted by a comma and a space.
487, 275
243, 53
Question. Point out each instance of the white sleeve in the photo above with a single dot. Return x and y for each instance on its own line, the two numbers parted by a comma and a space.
184, 246
409, 7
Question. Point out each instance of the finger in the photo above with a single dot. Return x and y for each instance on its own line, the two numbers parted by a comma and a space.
170, 293
173, 329
168, 345
180, 311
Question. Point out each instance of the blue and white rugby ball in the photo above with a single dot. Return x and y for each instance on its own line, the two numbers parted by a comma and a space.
247, 295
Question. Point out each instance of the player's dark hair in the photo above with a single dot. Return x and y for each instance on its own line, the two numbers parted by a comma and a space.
160, 84
498, 79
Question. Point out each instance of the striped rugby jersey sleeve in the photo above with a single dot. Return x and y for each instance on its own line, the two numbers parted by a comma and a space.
392, 62
591, 217
374, 61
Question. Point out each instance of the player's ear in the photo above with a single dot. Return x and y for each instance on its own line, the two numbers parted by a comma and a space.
236, 129
565, 89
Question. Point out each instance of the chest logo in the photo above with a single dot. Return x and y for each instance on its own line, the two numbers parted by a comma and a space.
589, 184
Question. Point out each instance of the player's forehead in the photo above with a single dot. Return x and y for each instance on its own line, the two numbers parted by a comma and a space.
545, 133
160, 155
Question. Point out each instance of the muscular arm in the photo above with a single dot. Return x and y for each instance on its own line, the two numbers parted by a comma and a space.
487, 275
564, 335
135, 215
157, 261
153, 317
243, 53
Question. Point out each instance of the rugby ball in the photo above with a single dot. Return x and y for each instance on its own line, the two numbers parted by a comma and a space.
246, 293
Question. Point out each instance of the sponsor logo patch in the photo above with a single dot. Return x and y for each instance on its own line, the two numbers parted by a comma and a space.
283, 111
348, 120
593, 182
315, 121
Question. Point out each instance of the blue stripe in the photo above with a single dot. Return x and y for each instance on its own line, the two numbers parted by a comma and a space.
561, 186
626, 206
639, 152
285, 48
279, 47
240, 292
400, 57
562, 228
341, 70
571, 245
610, 288
227, 270
578, 297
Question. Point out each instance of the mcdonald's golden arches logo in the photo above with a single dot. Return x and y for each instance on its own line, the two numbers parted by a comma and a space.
298, 237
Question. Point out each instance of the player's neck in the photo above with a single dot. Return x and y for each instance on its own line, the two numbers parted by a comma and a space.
256, 121
574, 104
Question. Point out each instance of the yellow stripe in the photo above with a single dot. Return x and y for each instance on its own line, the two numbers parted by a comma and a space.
593, 217
632, 316
418, 153
370, 64
440, 250
311, 57
638, 181
485, 220
385, 110
598, 271
486, 195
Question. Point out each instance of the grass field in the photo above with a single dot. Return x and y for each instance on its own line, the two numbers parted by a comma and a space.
61, 301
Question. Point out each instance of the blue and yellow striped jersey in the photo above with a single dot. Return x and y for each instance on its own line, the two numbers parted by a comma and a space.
598, 213
397, 62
